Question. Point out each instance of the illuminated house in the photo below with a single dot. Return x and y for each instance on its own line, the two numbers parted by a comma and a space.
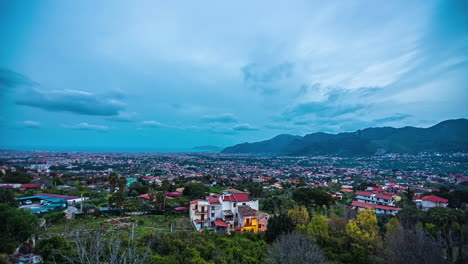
222, 213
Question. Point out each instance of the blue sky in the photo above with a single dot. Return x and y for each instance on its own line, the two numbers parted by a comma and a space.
149, 74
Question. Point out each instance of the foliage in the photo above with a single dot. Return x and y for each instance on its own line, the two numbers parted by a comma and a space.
17, 177
299, 215
195, 190
207, 247
52, 248
295, 248
7, 196
17, 225
54, 218
277, 225
312, 196
363, 231
318, 229
403, 246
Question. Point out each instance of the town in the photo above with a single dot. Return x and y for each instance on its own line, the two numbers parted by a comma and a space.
182, 193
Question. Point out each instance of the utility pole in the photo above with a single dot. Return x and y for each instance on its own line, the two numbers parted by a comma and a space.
81, 204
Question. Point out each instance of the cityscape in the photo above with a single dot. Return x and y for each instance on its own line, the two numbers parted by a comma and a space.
234, 132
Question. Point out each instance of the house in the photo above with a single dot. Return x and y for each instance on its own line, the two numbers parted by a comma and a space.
375, 198
71, 200
379, 209
227, 211
32, 186
432, 201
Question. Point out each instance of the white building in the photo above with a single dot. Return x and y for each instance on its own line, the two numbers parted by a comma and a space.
220, 212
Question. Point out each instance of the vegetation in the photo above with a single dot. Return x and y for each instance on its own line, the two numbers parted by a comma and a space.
17, 225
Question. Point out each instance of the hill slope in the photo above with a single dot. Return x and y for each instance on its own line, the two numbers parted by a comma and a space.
447, 136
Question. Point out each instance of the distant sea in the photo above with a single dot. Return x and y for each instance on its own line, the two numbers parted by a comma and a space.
100, 149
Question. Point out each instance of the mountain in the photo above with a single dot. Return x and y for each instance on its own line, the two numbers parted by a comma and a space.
446, 136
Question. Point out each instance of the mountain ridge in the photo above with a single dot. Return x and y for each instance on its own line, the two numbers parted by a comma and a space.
446, 136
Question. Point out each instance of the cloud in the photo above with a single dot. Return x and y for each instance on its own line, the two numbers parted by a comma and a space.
86, 126
222, 118
394, 118
10, 79
244, 127
73, 101
337, 102
152, 123
264, 77
123, 117
31, 124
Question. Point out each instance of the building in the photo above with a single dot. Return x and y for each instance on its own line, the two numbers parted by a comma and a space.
375, 198
432, 201
379, 209
382, 203
232, 211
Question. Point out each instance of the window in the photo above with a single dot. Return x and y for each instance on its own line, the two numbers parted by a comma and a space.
234, 204
243, 203
212, 214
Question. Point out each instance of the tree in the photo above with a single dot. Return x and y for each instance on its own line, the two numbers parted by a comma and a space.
312, 196
295, 248
106, 247
318, 229
53, 248
255, 189
403, 246
7, 196
195, 190
277, 225
363, 231
299, 215
409, 216
17, 225
17, 177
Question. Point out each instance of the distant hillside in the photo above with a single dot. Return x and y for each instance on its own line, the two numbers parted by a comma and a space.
447, 136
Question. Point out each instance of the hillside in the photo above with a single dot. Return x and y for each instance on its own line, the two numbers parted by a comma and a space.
446, 136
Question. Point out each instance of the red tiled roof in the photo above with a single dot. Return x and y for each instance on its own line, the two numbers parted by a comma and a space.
236, 197
435, 199
196, 201
213, 199
346, 190
383, 196
146, 197
221, 223
373, 206
31, 185
174, 194
362, 193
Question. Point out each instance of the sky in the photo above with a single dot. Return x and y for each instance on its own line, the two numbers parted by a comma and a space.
159, 75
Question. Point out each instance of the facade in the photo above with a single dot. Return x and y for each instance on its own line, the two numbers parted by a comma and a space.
375, 198
382, 203
231, 211
432, 201
379, 209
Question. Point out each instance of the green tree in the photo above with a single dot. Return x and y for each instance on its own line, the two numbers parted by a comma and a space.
195, 190
312, 196
7, 196
318, 229
17, 225
17, 177
277, 225
53, 248
363, 231
299, 215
